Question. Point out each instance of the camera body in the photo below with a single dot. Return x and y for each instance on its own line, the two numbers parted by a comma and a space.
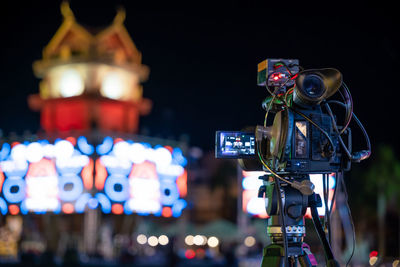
302, 138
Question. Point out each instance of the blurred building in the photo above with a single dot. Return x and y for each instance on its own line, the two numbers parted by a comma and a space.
88, 161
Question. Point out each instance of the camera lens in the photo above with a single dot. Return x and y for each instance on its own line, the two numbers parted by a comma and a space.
313, 86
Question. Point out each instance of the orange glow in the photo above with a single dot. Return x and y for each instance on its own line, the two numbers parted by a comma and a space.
144, 170
166, 212
116, 140
181, 182
68, 208
101, 175
72, 140
117, 209
44, 167
1, 179
13, 144
170, 149
246, 196
87, 175
14, 209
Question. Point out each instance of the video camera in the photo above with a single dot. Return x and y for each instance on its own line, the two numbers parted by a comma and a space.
304, 137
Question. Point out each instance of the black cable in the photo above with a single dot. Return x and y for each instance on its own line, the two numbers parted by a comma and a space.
327, 221
351, 220
360, 125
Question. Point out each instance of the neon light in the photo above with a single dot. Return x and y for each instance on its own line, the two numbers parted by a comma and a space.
87, 175
14, 209
117, 188
162, 157
63, 149
166, 212
169, 192
72, 164
3, 206
14, 189
104, 202
115, 165
181, 182
73, 191
18, 152
121, 150
177, 208
34, 152
93, 203
81, 202
137, 153
14, 168
105, 147
84, 146
117, 209
101, 175
5, 150
178, 157
67, 208
24, 209
71, 139
144, 170
1, 179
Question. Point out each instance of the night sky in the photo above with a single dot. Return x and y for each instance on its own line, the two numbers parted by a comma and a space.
203, 59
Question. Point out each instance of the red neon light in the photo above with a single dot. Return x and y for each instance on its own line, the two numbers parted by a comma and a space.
166, 212
68, 208
117, 209
144, 170
72, 140
190, 254
116, 140
44, 167
170, 149
13, 144
87, 175
181, 182
14, 209
1, 179
101, 175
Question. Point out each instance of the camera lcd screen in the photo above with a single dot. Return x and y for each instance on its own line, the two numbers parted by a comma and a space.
234, 144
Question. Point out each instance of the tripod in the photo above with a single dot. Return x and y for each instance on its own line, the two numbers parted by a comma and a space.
287, 207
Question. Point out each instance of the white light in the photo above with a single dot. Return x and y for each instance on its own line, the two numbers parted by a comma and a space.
213, 242
249, 241
112, 86
395, 263
137, 153
63, 149
189, 240
34, 152
162, 157
141, 239
121, 150
163, 240
199, 240
153, 241
71, 83
256, 205
18, 152
373, 260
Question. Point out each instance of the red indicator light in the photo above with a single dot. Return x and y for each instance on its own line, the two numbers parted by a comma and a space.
373, 253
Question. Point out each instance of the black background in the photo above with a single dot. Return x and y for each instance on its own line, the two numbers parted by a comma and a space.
203, 58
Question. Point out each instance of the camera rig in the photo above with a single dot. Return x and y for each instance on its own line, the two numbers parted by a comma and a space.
304, 138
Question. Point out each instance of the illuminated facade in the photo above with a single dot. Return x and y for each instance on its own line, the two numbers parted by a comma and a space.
89, 158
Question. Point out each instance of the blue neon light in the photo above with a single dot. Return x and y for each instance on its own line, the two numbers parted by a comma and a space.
93, 203
77, 187
104, 202
23, 208
5, 150
3, 206
81, 202
110, 188
178, 157
84, 146
106, 146
18, 185
178, 206
169, 192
